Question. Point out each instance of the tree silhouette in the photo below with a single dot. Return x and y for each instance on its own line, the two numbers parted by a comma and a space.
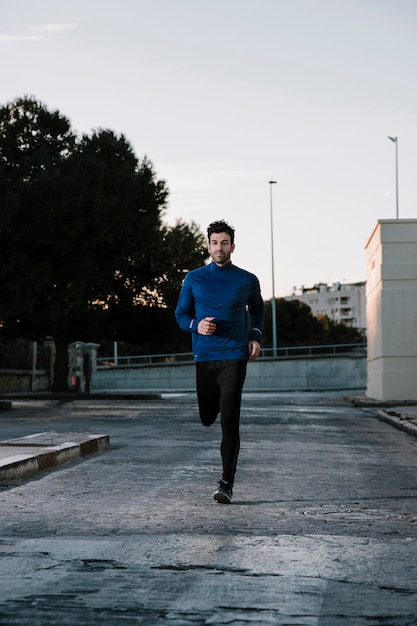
298, 326
80, 228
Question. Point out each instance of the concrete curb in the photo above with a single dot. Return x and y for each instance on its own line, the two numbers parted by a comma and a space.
403, 416
26, 456
399, 419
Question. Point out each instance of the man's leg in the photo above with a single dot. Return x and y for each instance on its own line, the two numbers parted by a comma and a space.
230, 377
208, 392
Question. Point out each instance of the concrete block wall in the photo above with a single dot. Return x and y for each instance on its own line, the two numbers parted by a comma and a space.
309, 374
13, 381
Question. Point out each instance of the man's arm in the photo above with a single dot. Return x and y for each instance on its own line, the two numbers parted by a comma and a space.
256, 316
184, 312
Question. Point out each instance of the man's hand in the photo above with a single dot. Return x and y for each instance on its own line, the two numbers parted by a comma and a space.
254, 350
206, 326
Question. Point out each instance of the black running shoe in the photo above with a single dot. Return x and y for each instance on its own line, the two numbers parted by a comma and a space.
224, 493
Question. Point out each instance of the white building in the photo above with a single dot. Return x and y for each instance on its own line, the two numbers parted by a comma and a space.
391, 293
340, 302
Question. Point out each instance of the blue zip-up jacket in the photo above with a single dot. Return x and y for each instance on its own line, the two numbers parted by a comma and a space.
233, 297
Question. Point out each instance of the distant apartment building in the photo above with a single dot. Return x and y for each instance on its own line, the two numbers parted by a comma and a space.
340, 302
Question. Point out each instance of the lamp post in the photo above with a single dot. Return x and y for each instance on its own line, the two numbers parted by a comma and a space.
395, 140
274, 312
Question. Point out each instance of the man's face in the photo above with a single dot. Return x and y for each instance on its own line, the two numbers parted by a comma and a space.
220, 248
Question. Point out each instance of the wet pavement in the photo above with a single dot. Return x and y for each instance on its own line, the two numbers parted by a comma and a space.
322, 529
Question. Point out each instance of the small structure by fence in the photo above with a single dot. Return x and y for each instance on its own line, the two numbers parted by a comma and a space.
25, 366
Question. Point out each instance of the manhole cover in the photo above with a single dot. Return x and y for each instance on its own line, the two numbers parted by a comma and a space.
352, 514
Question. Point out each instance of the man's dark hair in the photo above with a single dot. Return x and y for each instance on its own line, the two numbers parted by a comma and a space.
221, 227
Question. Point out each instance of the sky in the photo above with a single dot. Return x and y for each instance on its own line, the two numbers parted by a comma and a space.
224, 96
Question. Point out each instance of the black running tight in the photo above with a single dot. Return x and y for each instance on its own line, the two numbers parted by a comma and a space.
219, 390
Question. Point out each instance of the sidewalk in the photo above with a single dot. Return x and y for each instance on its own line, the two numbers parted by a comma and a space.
402, 417
26, 456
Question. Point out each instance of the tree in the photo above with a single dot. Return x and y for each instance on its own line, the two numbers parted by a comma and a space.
80, 227
152, 327
186, 249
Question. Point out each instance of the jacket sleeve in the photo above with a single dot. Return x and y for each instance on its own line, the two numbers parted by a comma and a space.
185, 310
256, 313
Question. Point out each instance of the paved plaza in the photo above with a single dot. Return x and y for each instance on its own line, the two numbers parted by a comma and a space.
322, 530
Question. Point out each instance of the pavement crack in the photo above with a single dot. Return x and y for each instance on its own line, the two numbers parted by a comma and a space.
191, 567
100, 564
400, 590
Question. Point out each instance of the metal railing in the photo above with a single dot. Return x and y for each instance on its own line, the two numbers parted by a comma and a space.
357, 349
293, 352
145, 359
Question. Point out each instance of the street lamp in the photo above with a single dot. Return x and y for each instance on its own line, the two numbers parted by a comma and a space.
395, 140
274, 312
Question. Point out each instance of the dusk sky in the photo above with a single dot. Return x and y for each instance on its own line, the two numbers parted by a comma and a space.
226, 95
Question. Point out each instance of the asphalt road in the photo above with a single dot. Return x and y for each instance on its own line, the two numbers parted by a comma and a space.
322, 530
